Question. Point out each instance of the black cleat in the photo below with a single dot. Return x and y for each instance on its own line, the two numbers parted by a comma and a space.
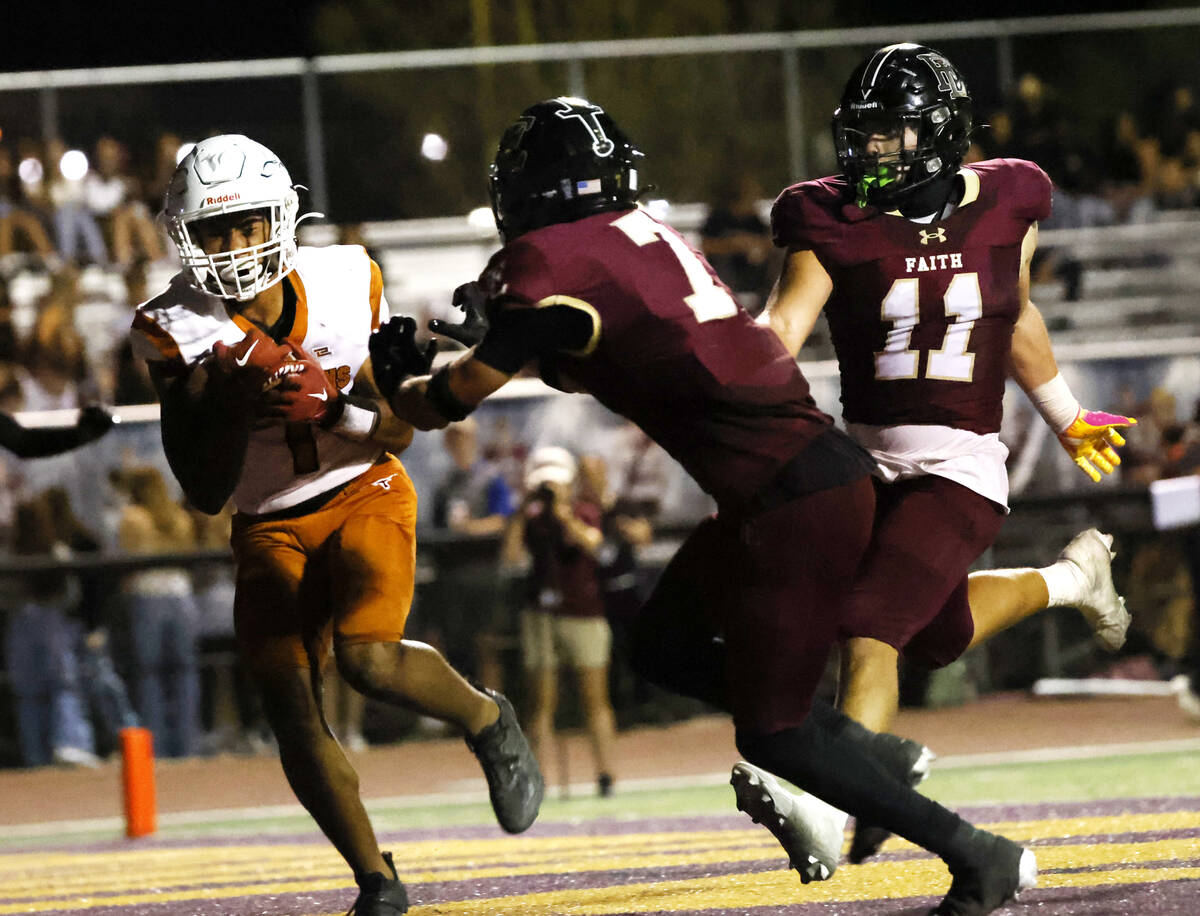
909, 762
379, 895
513, 776
1001, 870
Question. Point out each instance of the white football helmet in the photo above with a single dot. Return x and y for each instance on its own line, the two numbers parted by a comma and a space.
227, 174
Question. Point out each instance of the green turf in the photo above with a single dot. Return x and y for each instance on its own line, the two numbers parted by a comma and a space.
1164, 774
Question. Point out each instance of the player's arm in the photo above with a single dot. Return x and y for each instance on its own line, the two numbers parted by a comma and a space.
797, 299
1090, 437
205, 430
386, 428
38, 442
517, 334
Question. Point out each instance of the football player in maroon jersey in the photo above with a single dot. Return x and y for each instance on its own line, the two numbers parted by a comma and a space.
604, 298
921, 266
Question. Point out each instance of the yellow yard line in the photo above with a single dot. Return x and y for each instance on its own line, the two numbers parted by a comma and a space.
914, 877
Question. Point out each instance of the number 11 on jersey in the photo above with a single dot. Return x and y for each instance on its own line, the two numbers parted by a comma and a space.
902, 308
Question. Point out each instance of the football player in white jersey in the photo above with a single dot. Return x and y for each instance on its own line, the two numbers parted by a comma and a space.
258, 351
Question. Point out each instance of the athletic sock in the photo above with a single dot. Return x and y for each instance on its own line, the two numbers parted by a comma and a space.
1064, 583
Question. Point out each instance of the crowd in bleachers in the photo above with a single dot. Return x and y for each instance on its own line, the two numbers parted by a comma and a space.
80, 245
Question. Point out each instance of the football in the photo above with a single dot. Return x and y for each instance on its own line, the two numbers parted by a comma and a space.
297, 390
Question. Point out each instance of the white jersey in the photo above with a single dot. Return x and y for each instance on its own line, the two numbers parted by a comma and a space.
339, 293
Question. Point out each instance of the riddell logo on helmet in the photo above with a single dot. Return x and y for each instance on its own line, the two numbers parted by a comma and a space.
223, 199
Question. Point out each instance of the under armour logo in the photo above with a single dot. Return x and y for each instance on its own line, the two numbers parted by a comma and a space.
601, 145
384, 483
927, 237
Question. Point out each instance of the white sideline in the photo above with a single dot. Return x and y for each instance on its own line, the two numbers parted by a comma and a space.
474, 794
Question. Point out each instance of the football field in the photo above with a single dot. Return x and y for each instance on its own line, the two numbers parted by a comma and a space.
1114, 834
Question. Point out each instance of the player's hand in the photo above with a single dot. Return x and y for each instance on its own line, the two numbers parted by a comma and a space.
1092, 439
251, 361
471, 299
93, 423
299, 391
396, 355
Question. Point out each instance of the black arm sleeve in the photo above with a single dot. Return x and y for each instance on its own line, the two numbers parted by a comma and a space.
39, 441
518, 335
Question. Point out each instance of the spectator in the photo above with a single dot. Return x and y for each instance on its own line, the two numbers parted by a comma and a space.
161, 612
18, 221
1127, 165
737, 241
112, 194
472, 501
59, 375
564, 620
627, 527
230, 711
42, 651
73, 218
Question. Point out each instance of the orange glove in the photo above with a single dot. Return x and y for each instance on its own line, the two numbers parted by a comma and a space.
1091, 440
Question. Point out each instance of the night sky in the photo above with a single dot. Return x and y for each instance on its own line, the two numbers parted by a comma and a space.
54, 34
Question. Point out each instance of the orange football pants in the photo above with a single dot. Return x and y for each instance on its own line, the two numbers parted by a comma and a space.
341, 574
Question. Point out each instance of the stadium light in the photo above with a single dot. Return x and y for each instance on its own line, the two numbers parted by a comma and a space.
481, 218
73, 165
658, 208
30, 170
434, 147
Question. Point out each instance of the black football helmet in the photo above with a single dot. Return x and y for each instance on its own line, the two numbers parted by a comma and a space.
563, 159
904, 123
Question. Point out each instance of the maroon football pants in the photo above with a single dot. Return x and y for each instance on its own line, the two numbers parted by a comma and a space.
911, 591
747, 611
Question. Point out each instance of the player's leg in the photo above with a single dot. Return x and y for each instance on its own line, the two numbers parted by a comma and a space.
674, 639
1080, 578
788, 567
317, 768
927, 533
372, 560
280, 651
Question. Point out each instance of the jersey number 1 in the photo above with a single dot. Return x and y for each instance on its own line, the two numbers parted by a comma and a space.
708, 301
952, 362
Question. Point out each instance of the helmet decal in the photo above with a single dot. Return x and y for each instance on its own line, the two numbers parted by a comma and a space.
947, 77
601, 144
217, 165
561, 160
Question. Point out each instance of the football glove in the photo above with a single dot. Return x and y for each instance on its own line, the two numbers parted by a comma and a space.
471, 299
1092, 439
299, 391
396, 355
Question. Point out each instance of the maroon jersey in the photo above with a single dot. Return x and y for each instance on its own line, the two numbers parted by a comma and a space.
921, 315
670, 348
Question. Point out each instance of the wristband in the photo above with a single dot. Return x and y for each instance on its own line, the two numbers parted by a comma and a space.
1055, 403
353, 418
442, 399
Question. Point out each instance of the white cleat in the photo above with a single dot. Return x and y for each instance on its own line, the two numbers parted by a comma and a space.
809, 830
1091, 552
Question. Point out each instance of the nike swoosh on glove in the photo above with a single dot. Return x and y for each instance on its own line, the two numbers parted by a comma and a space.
1092, 439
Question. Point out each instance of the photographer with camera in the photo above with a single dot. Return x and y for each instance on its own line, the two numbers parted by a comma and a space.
564, 621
